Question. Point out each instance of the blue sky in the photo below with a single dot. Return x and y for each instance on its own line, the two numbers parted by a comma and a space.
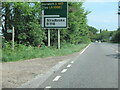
103, 15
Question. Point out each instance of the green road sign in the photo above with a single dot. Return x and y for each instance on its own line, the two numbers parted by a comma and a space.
54, 14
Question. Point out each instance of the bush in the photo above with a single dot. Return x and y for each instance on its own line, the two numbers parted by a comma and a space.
22, 52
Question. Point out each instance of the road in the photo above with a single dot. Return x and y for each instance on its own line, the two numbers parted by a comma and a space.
95, 67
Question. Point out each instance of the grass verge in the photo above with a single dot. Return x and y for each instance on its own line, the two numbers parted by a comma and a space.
22, 52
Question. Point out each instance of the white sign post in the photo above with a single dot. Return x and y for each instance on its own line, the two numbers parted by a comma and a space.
48, 37
13, 34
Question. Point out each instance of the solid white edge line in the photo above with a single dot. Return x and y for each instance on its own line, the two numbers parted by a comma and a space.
64, 70
56, 78
69, 65
82, 52
84, 49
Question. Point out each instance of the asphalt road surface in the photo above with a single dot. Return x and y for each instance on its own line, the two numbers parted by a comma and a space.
95, 67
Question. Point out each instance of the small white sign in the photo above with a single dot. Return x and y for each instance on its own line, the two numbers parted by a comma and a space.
55, 22
9, 31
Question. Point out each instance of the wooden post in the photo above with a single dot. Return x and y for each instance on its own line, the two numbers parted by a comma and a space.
13, 35
48, 37
58, 39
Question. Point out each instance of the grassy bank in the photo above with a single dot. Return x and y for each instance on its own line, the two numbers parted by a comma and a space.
22, 52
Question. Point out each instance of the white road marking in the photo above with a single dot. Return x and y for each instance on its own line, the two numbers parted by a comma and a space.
112, 48
116, 51
56, 78
84, 49
48, 87
72, 61
69, 65
64, 70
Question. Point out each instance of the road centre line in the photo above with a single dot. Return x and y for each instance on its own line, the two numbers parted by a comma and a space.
69, 65
56, 78
64, 70
112, 48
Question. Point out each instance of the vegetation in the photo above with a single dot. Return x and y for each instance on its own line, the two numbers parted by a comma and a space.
26, 18
92, 33
116, 36
108, 36
104, 35
23, 52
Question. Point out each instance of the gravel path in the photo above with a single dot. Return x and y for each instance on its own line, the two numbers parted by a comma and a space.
16, 73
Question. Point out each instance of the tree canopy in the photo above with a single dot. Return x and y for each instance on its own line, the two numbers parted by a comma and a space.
26, 18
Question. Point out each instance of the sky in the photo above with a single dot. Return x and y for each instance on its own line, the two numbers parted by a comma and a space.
103, 14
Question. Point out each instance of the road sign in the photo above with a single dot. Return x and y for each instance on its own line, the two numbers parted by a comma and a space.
54, 15
9, 31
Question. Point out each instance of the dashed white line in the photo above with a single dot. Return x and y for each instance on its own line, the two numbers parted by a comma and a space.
69, 65
56, 78
64, 70
48, 87
72, 61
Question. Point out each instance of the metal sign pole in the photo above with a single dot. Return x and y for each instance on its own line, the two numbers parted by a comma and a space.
13, 34
58, 39
48, 37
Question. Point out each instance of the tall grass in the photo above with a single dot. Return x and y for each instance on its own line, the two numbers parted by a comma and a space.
23, 52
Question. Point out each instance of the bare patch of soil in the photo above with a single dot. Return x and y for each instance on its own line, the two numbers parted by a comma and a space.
16, 73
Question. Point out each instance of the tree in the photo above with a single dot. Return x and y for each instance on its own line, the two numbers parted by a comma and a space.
104, 35
26, 18
92, 33
26, 21
77, 23
116, 36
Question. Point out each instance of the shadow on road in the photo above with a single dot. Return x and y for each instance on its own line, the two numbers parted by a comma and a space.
116, 56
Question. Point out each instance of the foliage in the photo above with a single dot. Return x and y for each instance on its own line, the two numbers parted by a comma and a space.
104, 35
26, 18
77, 23
116, 36
92, 33
23, 52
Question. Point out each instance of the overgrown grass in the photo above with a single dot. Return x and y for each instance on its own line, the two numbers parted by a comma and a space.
22, 52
